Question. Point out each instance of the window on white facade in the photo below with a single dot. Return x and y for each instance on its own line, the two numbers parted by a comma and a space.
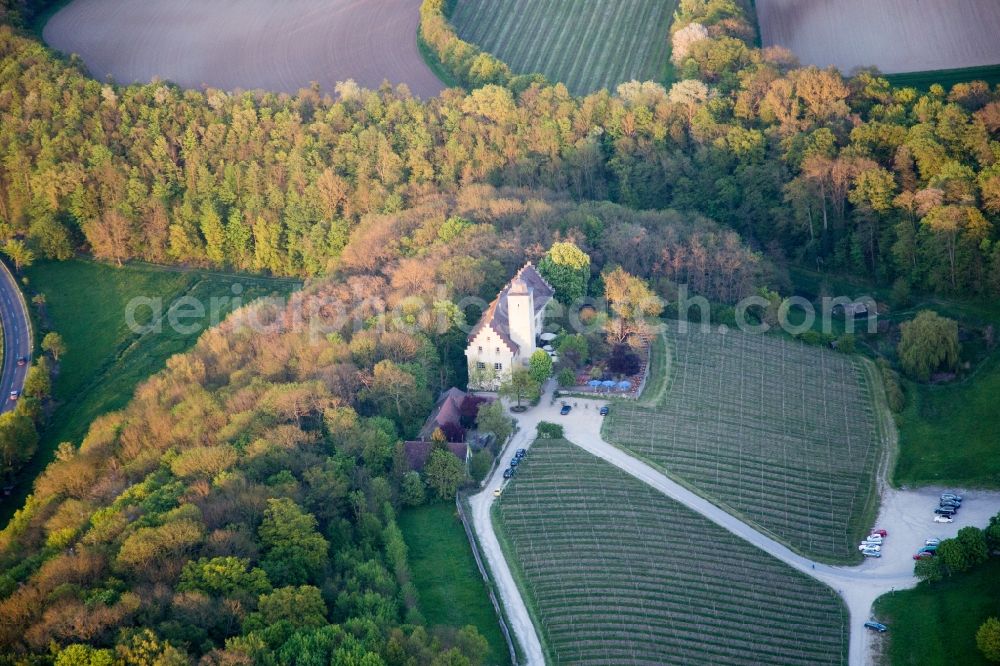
480, 350
498, 350
480, 365
498, 366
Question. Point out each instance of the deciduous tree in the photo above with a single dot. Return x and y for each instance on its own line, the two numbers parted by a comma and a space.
444, 473
633, 305
294, 552
928, 343
567, 268
520, 386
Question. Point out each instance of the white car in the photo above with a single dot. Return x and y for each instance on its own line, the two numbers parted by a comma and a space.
874, 538
943, 519
932, 542
869, 546
868, 552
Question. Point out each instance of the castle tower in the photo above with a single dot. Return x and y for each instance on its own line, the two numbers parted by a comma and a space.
521, 316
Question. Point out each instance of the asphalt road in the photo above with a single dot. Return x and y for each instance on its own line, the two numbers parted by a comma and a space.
859, 586
16, 338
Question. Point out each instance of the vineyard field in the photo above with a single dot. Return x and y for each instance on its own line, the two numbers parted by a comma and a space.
588, 46
617, 573
776, 431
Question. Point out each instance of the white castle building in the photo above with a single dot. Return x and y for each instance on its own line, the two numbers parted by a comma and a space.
505, 335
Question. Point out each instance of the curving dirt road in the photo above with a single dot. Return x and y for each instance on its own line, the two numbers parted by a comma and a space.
247, 44
905, 514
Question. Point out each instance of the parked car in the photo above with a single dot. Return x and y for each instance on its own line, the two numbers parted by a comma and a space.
951, 496
508, 473
945, 511
943, 519
923, 555
949, 501
876, 626
932, 542
881, 533
871, 553
521, 453
496, 493
869, 546
928, 549
15, 394
874, 538
565, 410
22, 360
515, 461
604, 410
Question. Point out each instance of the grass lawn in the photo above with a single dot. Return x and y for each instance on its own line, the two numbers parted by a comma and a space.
936, 623
948, 434
586, 45
105, 361
614, 572
946, 77
451, 591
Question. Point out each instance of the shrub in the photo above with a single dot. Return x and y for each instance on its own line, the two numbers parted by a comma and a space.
412, 492
988, 639
540, 366
480, 465
624, 361
566, 378
929, 569
893, 389
453, 432
470, 409
548, 430
846, 343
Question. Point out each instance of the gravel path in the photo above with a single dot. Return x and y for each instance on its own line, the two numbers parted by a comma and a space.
907, 515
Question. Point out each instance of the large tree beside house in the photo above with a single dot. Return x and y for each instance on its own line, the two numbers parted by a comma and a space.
632, 303
521, 386
567, 268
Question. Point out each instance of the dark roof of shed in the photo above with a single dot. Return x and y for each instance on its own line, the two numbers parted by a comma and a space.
417, 453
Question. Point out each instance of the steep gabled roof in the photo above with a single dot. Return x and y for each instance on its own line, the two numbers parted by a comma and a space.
447, 409
496, 316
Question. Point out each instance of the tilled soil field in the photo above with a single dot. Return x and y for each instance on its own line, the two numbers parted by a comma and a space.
247, 44
893, 35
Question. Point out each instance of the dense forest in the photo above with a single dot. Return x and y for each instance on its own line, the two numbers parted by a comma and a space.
242, 508
842, 174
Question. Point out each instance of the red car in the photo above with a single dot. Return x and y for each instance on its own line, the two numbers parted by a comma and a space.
881, 533
923, 555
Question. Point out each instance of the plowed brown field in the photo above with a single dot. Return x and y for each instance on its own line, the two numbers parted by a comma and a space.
893, 35
247, 44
